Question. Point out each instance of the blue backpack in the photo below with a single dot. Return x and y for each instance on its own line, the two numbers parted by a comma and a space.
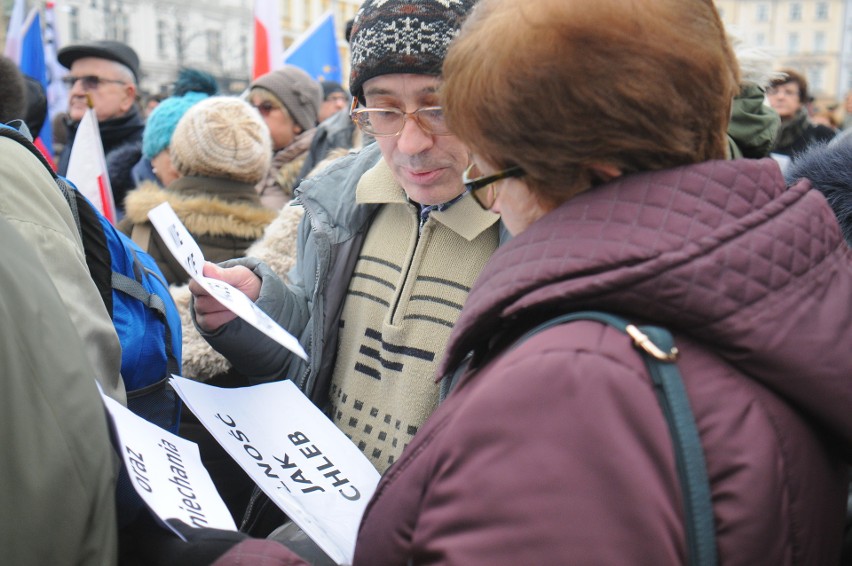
145, 317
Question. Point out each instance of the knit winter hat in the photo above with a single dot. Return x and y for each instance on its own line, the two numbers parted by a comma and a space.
163, 120
298, 92
222, 137
395, 36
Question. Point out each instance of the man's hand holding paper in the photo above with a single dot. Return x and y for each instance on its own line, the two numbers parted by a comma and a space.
233, 298
209, 312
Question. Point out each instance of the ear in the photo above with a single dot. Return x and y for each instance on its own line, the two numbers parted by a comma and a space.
129, 97
603, 172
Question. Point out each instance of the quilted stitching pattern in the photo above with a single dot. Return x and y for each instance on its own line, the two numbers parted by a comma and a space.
708, 248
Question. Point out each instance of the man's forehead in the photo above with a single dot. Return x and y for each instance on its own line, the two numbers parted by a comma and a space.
401, 84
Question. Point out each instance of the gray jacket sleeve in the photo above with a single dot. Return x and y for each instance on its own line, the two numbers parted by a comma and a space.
251, 352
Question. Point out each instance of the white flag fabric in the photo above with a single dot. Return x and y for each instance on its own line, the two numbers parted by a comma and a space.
87, 166
268, 48
57, 92
12, 49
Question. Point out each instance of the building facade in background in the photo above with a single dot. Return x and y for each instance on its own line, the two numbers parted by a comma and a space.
213, 35
811, 36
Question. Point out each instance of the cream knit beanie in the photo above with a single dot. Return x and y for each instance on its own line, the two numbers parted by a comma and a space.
222, 137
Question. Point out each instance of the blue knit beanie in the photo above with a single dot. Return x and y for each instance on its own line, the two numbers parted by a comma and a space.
163, 119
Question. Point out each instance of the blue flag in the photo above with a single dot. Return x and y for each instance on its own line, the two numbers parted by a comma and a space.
32, 64
316, 51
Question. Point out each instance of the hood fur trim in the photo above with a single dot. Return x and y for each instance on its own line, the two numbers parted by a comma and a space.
201, 214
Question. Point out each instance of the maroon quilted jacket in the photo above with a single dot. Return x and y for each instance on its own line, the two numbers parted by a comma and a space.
557, 452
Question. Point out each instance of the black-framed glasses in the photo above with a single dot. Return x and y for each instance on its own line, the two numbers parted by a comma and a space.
388, 122
482, 188
90, 82
265, 108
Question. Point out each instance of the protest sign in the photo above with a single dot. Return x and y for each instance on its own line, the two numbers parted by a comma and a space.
189, 255
167, 472
294, 453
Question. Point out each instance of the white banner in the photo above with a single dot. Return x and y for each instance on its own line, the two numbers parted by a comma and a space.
294, 453
167, 472
186, 251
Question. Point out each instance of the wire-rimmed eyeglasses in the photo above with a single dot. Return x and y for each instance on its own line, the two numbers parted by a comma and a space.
387, 122
90, 82
482, 188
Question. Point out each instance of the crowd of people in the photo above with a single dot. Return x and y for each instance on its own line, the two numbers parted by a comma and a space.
519, 161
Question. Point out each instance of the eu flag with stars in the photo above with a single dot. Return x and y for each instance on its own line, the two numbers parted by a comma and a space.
316, 51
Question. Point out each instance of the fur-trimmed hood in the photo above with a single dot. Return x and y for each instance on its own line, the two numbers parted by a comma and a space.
214, 207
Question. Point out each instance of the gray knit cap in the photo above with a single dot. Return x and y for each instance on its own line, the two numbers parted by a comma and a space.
298, 92
396, 36
223, 137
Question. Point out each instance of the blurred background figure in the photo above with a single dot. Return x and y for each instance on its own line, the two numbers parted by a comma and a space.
789, 96
289, 101
191, 86
847, 111
150, 102
220, 149
105, 72
334, 99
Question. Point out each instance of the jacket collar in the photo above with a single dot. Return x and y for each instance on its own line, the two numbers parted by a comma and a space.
465, 217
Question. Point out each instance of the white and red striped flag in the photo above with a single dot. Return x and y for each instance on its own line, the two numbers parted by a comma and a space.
87, 166
268, 48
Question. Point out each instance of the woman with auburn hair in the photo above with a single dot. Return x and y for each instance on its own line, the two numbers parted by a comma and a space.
598, 131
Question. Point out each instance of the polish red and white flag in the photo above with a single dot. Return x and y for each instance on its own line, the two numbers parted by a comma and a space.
268, 49
87, 167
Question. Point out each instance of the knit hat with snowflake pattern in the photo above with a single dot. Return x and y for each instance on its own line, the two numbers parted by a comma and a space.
394, 36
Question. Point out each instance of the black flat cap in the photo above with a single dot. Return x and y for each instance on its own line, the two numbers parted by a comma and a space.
103, 49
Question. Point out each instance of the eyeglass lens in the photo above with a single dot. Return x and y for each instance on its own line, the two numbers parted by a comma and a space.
391, 121
89, 82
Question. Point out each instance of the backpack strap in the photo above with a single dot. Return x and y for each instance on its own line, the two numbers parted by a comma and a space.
660, 354
135, 289
141, 234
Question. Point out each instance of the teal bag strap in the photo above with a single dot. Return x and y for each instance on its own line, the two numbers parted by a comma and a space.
660, 354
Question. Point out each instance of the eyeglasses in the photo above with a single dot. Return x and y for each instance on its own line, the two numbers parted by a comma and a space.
482, 188
265, 108
90, 82
387, 122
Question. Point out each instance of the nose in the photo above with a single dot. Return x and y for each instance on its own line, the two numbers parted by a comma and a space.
412, 139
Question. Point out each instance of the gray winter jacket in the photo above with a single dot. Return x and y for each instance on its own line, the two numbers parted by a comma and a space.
310, 303
58, 470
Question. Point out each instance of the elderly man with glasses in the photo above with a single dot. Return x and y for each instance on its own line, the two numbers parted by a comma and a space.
105, 73
389, 246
